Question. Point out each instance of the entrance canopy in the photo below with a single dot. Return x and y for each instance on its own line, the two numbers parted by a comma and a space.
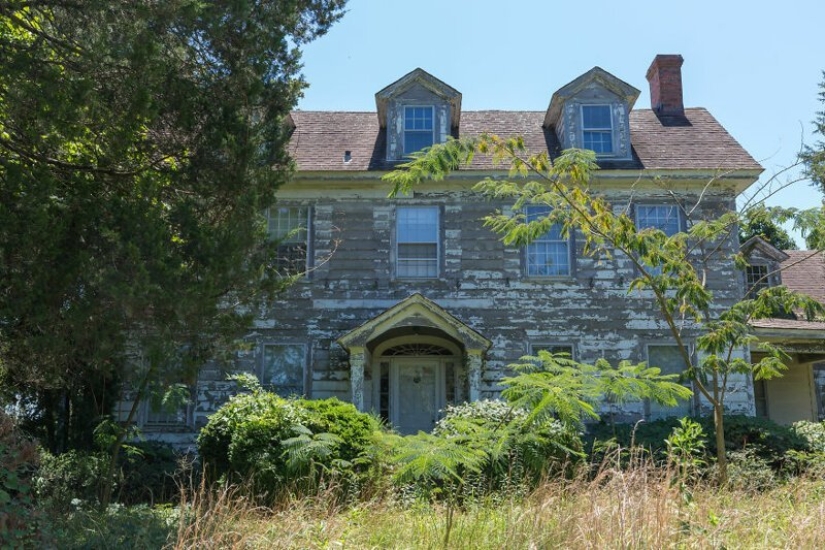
415, 313
415, 320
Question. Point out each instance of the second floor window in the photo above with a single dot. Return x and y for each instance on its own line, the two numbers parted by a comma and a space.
417, 242
549, 255
288, 225
664, 217
418, 128
597, 129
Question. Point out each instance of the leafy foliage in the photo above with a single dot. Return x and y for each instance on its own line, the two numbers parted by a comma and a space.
518, 448
671, 270
140, 142
814, 156
19, 458
764, 222
554, 386
274, 441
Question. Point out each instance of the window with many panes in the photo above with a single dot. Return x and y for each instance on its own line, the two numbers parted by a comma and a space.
670, 361
756, 278
664, 217
282, 371
597, 129
288, 225
418, 128
548, 255
417, 242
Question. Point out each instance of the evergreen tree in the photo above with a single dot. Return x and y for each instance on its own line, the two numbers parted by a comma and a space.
140, 142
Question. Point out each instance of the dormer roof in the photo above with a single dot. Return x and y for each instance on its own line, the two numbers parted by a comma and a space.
426, 80
764, 247
596, 75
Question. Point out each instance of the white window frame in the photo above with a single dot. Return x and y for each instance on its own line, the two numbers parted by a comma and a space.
400, 260
294, 232
683, 408
601, 130
531, 250
754, 283
180, 418
284, 388
675, 207
679, 227
404, 129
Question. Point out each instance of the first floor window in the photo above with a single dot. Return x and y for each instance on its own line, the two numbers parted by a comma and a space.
670, 361
597, 129
169, 409
417, 239
418, 128
548, 255
283, 368
288, 226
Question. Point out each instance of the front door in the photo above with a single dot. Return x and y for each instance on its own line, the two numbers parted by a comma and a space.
417, 393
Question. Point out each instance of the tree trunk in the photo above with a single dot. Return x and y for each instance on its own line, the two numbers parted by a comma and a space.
721, 456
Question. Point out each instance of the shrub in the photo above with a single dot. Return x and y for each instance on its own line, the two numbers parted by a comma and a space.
272, 441
517, 447
343, 420
216, 437
74, 476
148, 473
812, 432
760, 437
18, 461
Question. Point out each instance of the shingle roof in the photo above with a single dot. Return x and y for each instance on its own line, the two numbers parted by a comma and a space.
696, 141
804, 271
794, 324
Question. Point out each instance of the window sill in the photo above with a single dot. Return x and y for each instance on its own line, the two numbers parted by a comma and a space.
547, 279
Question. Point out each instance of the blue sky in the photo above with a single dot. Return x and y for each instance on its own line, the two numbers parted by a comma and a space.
754, 65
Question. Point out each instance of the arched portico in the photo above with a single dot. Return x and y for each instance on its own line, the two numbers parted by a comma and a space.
413, 359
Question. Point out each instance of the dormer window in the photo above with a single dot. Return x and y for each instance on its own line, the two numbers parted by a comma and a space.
418, 128
417, 111
597, 129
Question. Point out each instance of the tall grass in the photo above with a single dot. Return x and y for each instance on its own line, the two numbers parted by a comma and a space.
619, 506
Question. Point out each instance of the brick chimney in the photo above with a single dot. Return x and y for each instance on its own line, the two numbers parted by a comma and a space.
665, 77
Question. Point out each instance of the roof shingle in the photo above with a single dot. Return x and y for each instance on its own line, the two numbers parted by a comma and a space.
695, 141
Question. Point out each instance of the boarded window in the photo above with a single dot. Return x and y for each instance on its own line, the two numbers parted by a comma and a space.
670, 361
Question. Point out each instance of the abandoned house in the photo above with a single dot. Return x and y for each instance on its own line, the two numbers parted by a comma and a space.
409, 304
800, 393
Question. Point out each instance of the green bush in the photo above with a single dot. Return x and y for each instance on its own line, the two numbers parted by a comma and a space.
650, 436
812, 432
760, 437
216, 437
19, 457
149, 472
517, 447
71, 477
274, 441
145, 475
